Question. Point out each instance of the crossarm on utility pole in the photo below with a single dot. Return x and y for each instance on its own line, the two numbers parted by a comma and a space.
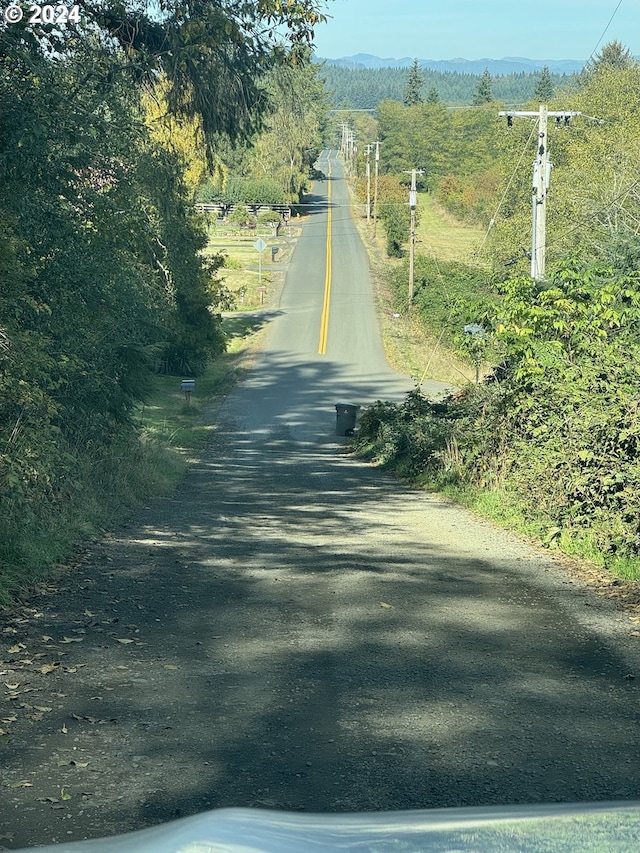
541, 171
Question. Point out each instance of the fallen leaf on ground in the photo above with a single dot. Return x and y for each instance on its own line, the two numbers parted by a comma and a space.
46, 668
388, 606
72, 639
124, 641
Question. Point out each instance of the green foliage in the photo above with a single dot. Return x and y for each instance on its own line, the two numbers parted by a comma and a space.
273, 166
559, 434
553, 442
544, 89
393, 210
594, 198
365, 88
447, 296
287, 148
415, 84
456, 149
433, 96
409, 437
614, 56
104, 279
484, 90
572, 422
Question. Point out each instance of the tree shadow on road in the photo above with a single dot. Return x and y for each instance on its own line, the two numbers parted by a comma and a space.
293, 630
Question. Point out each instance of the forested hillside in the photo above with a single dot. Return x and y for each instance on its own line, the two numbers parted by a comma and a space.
365, 88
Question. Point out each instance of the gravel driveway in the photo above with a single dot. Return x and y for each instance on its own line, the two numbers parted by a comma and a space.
294, 630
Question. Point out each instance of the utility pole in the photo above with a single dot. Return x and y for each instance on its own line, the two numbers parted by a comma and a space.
541, 177
375, 189
413, 203
347, 146
352, 149
368, 156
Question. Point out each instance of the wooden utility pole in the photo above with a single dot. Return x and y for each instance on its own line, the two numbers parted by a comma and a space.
368, 156
413, 204
375, 189
541, 175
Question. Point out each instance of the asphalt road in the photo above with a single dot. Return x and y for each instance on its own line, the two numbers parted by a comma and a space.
294, 630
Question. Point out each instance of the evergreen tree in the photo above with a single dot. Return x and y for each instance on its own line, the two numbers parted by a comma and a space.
484, 92
544, 87
413, 92
613, 55
433, 97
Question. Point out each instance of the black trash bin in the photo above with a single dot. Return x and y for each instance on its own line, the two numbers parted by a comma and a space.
346, 415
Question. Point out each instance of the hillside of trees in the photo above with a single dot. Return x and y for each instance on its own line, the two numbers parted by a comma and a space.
365, 88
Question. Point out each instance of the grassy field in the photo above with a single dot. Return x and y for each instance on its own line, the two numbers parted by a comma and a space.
409, 347
246, 270
441, 236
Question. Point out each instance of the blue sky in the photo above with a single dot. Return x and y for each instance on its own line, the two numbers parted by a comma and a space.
477, 29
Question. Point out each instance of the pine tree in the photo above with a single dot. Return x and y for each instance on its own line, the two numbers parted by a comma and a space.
613, 55
433, 97
544, 86
484, 93
415, 82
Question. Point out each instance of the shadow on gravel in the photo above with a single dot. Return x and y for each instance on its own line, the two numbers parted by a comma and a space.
285, 632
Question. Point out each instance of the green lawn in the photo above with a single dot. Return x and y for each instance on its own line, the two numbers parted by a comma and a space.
246, 270
440, 235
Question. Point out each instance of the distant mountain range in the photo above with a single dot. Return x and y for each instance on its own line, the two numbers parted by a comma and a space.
497, 67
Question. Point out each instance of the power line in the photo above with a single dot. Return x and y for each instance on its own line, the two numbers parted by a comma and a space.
516, 169
604, 32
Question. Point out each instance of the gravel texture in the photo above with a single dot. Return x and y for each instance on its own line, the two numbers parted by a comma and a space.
294, 630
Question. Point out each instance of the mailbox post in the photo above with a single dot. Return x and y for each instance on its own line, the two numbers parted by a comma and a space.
188, 385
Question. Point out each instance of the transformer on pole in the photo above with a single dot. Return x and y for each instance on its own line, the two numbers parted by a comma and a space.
541, 176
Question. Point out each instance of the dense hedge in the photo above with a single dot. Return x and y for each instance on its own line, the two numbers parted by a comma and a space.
560, 431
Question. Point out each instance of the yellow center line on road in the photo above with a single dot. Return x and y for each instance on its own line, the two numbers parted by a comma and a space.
324, 319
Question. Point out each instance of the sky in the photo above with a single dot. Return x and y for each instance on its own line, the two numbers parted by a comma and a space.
477, 29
